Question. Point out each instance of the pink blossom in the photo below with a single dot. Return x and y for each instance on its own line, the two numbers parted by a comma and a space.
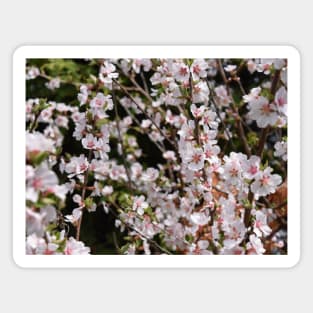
194, 157
281, 100
53, 83
199, 69
263, 112
200, 218
92, 143
181, 72
197, 112
32, 72
75, 247
37, 142
77, 165
222, 98
260, 226
255, 245
265, 183
42, 180
139, 205
281, 150
201, 92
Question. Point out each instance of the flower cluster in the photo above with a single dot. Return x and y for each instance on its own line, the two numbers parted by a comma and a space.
156, 156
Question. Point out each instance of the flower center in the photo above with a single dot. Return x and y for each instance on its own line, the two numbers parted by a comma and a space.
37, 183
183, 71
90, 144
233, 172
196, 158
253, 169
196, 69
266, 109
265, 180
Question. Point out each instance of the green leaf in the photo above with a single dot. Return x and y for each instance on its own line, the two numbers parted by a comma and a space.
39, 157
101, 122
88, 202
47, 201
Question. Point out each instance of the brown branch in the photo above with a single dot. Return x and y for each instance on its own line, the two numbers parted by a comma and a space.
145, 85
240, 85
243, 138
247, 212
117, 120
84, 188
222, 72
262, 141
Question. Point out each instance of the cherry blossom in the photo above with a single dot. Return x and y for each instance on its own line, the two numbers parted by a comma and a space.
253, 95
251, 167
281, 150
200, 218
197, 112
77, 165
53, 84
263, 112
265, 183
32, 72
194, 157
199, 69
83, 95
255, 245
140, 205
107, 74
92, 143
43, 180
36, 142
201, 92
281, 100
222, 97
181, 72
260, 226
75, 247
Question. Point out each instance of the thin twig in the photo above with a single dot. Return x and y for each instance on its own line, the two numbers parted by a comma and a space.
265, 131
262, 141
145, 114
163, 231
117, 120
84, 188
243, 137
145, 85
136, 230
217, 110
241, 132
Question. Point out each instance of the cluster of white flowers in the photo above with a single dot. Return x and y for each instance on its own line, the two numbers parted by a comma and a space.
204, 193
